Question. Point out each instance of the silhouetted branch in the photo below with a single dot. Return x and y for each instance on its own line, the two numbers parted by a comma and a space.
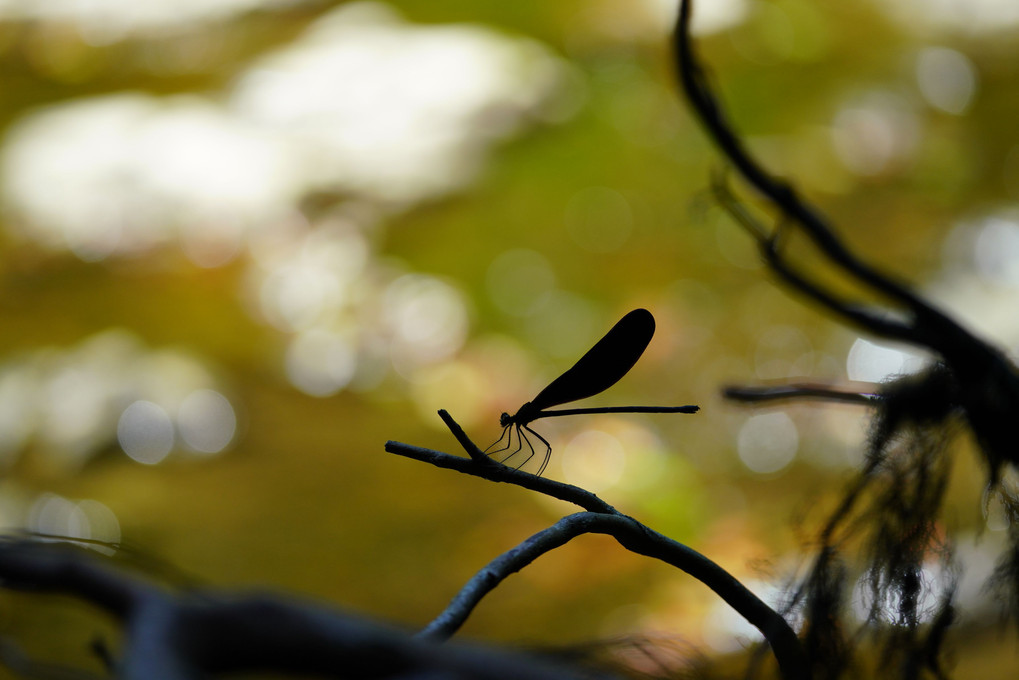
986, 381
601, 518
754, 394
184, 635
494, 471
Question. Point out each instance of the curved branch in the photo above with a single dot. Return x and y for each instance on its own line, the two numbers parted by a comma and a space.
640, 539
927, 327
988, 380
705, 104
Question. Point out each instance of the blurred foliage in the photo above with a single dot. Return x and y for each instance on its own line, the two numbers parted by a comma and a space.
305, 500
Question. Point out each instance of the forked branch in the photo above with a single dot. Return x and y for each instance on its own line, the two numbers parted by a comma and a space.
600, 518
985, 383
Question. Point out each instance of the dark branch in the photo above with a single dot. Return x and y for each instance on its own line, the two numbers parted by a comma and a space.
601, 518
486, 468
186, 635
751, 394
704, 103
639, 539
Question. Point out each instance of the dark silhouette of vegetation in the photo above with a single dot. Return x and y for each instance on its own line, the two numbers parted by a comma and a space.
886, 527
889, 518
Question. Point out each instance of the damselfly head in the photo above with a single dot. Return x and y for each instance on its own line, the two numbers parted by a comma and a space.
505, 419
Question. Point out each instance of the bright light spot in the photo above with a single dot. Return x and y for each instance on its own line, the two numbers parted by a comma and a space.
875, 133
396, 111
76, 406
593, 460
996, 252
599, 219
725, 631
427, 318
946, 78
869, 362
56, 515
362, 104
106, 21
103, 525
133, 168
145, 432
708, 17
320, 362
314, 282
206, 421
520, 281
68, 402
934, 582
768, 442
956, 16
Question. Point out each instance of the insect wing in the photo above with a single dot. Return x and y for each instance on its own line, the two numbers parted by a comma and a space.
604, 364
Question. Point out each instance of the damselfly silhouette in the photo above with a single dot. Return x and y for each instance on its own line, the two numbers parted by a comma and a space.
601, 368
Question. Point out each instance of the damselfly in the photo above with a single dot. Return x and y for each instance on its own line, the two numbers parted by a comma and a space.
603, 365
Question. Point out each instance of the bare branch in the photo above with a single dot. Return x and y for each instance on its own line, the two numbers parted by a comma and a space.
601, 518
753, 394
769, 243
701, 98
497, 472
987, 381
186, 635
637, 538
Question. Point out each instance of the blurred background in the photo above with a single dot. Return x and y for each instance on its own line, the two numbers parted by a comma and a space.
245, 242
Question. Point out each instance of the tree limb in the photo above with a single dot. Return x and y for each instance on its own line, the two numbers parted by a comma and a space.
601, 518
183, 635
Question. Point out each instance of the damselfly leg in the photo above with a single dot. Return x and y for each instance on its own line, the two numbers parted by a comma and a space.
507, 434
548, 450
523, 446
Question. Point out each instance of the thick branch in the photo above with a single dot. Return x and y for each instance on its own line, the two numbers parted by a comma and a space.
184, 636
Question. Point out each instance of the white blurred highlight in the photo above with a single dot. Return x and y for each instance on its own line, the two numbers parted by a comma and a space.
870, 362
593, 460
996, 251
768, 442
427, 319
947, 79
320, 362
106, 21
875, 133
145, 432
206, 421
361, 104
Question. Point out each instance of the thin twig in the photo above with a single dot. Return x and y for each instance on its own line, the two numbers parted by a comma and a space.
486, 468
753, 394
